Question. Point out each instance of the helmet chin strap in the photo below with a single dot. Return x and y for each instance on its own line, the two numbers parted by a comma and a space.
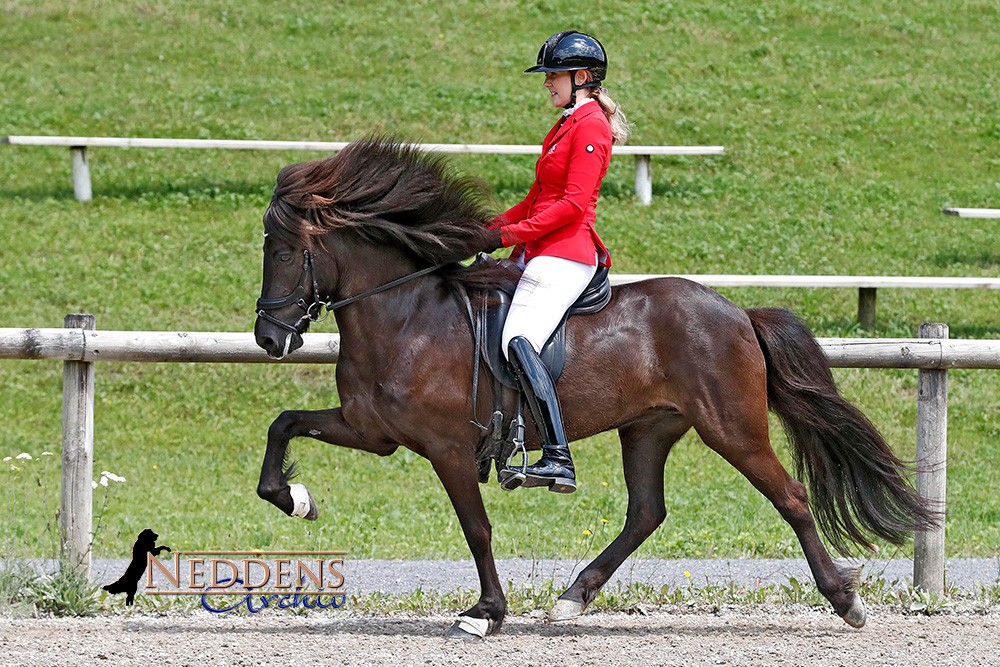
575, 87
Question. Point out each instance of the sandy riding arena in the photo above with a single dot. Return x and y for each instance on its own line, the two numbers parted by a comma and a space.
730, 637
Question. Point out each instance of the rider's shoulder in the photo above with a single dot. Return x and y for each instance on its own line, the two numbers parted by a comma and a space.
596, 125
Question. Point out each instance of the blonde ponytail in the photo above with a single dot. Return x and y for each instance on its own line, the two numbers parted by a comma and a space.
620, 127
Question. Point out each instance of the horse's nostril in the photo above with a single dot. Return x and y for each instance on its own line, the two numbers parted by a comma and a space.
267, 343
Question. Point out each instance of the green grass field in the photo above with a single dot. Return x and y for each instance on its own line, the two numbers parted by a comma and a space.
847, 128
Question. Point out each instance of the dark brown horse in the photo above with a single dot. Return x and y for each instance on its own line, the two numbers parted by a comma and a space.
663, 357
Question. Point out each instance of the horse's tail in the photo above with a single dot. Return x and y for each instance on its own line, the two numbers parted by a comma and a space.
857, 485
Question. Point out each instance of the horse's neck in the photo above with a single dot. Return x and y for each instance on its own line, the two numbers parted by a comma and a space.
376, 327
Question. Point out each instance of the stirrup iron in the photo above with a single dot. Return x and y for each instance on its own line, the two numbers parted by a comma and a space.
510, 477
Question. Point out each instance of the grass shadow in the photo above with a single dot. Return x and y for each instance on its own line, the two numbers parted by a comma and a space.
984, 258
195, 189
974, 331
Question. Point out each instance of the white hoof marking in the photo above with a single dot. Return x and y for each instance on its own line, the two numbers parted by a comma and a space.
474, 626
300, 498
857, 614
564, 610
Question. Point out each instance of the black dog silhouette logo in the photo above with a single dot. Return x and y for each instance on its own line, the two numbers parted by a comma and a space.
145, 544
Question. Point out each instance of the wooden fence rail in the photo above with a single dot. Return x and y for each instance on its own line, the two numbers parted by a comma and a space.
867, 286
973, 212
79, 347
76, 344
81, 165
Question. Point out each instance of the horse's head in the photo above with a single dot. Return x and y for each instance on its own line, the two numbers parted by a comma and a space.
290, 296
346, 222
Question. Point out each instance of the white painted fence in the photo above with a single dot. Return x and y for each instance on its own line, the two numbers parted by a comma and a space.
81, 167
866, 285
79, 346
973, 212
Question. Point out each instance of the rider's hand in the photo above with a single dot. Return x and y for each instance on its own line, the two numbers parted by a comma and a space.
494, 243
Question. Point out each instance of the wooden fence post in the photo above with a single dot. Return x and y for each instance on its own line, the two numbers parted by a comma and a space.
76, 504
644, 179
866, 307
81, 173
932, 453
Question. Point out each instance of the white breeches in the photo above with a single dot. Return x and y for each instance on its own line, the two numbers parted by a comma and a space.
547, 289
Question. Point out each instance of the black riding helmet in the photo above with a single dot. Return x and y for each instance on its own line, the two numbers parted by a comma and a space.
571, 50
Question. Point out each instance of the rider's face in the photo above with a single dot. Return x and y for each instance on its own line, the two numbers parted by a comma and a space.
559, 86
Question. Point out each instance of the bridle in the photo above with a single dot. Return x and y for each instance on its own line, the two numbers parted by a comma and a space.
312, 311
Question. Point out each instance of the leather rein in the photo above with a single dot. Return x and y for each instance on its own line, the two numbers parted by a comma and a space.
312, 311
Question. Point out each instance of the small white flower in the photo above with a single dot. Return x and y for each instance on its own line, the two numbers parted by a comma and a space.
104, 481
7, 458
111, 476
94, 484
24, 455
47, 454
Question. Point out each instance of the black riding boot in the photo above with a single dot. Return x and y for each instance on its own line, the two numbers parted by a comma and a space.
555, 468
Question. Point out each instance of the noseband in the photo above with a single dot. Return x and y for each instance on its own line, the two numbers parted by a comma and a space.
312, 311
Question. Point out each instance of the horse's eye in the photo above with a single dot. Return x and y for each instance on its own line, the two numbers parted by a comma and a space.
285, 257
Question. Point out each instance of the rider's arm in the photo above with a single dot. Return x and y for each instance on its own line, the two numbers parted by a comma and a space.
582, 179
517, 212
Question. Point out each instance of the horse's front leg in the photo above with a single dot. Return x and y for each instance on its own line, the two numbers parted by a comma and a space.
325, 425
460, 477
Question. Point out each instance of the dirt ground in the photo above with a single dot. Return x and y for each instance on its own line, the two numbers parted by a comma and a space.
730, 637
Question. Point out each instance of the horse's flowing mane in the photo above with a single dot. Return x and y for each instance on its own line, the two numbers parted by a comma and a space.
388, 193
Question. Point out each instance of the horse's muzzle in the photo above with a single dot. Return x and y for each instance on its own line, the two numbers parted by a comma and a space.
278, 344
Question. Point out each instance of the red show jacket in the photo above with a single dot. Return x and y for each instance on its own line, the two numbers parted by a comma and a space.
557, 217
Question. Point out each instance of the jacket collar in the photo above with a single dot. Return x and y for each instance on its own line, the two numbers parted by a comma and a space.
579, 114
580, 103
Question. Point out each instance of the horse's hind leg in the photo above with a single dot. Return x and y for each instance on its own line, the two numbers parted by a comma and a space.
738, 431
645, 445
325, 425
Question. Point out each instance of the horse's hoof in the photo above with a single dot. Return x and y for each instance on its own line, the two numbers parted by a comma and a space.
303, 504
856, 615
467, 629
564, 610
313, 508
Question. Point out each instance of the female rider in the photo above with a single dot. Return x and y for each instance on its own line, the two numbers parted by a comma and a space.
552, 232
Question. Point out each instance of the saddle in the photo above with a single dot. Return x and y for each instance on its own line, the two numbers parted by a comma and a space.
487, 325
493, 314
496, 447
